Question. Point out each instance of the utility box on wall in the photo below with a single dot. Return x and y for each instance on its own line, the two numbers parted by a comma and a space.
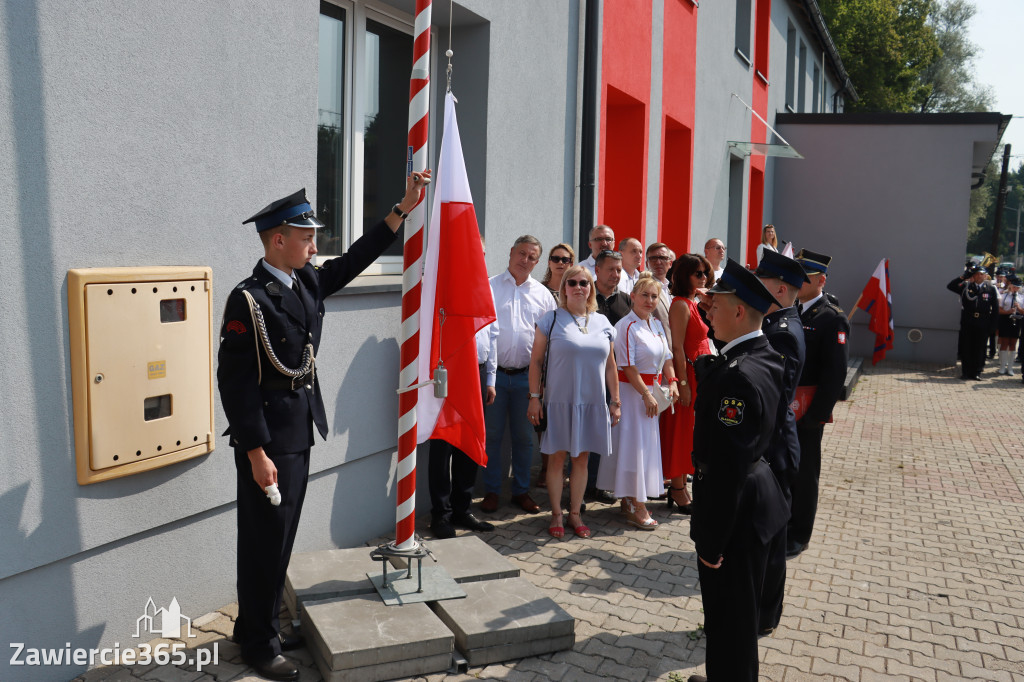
141, 368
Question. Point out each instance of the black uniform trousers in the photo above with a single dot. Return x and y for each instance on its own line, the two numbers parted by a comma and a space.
805, 487
972, 358
731, 595
265, 537
451, 474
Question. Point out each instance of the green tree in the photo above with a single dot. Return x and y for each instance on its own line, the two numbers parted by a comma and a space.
885, 46
979, 235
949, 80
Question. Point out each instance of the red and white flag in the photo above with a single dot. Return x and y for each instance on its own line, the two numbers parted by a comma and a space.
876, 300
455, 301
787, 250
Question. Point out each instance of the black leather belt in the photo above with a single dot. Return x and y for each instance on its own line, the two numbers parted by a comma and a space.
511, 371
283, 383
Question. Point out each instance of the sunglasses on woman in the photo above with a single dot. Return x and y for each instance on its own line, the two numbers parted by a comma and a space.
564, 260
573, 283
703, 274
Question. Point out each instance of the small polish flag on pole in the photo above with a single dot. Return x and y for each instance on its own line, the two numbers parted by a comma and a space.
455, 302
876, 300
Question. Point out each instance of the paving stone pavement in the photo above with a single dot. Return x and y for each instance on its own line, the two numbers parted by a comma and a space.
915, 570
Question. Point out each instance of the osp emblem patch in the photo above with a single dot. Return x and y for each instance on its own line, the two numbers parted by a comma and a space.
731, 411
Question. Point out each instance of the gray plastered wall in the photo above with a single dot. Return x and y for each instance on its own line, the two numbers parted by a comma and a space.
139, 134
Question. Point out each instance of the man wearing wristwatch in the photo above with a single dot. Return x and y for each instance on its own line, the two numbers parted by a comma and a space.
271, 396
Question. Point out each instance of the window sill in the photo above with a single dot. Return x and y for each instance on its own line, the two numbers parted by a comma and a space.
744, 57
371, 284
763, 77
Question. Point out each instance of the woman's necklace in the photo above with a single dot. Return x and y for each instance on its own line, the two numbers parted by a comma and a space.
583, 327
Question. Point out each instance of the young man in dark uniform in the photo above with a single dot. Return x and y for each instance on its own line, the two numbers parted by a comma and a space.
826, 331
738, 507
783, 277
271, 396
979, 307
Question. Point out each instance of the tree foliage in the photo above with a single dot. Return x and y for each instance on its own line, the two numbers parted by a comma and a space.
949, 80
979, 234
885, 46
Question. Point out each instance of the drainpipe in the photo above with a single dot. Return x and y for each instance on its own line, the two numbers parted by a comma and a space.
588, 125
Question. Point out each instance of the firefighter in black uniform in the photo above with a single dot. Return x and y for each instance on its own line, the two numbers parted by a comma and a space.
783, 277
826, 332
979, 306
738, 507
271, 396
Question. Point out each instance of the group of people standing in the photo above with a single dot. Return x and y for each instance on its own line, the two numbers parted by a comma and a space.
988, 309
585, 360
750, 365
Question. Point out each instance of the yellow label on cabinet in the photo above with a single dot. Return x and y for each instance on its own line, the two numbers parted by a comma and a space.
157, 369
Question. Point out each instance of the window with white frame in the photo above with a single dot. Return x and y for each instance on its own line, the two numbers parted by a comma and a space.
790, 67
743, 18
365, 57
801, 75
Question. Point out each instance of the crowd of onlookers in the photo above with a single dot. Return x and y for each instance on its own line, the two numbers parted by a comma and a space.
638, 384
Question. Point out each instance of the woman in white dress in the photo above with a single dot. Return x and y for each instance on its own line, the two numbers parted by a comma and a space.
643, 357
580, 368
768, 241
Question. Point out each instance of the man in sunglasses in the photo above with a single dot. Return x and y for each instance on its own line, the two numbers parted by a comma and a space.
714, 251
602, 238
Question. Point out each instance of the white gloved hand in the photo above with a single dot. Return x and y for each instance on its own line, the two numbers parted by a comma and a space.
273, 493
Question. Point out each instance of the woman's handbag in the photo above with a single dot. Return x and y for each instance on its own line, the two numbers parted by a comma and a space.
542, 423
660, 393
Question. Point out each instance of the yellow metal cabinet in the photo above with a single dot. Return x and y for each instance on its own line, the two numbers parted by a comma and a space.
141, 368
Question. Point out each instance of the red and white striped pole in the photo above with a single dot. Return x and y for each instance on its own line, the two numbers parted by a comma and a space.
419, 115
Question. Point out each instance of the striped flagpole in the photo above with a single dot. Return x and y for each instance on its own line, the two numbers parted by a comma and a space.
419, 114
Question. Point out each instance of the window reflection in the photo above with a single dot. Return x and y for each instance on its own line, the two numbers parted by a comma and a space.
330, 132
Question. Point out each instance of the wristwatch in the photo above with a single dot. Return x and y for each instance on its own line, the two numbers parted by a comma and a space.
398, 212
535, 395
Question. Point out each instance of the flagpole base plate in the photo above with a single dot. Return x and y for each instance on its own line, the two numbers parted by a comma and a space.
430, 583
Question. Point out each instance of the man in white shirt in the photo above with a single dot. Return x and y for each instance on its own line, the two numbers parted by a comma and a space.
714, 251
602, 237
632, 263
519, 301
659, 260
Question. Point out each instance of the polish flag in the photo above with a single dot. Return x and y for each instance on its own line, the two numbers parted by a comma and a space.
876, 300
455, 302
787, 250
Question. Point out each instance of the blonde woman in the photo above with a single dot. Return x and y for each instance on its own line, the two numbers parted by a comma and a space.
643, 357
768, 241
580, 368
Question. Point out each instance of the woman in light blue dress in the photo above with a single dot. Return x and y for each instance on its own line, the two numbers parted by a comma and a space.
580, 369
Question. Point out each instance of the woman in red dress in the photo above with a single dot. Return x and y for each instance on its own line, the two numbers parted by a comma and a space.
690, 273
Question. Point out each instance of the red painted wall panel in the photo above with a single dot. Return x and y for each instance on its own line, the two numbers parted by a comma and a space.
625, 104
758, 130
678, 101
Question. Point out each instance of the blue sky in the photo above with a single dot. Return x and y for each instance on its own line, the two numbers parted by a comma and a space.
1000, 64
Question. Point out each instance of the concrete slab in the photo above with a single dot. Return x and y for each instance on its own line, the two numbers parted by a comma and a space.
382, 642
467, 559
505, 613
512, 652
328, 574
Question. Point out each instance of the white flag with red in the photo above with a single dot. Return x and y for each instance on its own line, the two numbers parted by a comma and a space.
787, 250
876, 300
455, 301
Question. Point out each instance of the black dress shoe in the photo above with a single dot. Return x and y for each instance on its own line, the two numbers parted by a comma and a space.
470, 522
442, 529
696, 678
794, 548
602, 496
276, 668
291, 642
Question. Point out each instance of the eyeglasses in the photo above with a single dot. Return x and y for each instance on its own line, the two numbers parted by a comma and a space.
573, 283
564, 260
657, 258
703, 274
603, 239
